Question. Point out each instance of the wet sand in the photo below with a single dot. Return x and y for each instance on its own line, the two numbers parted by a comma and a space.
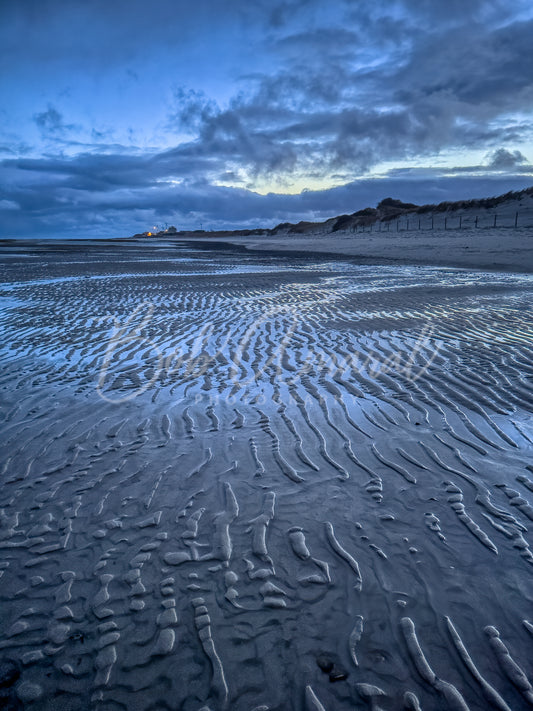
239, 481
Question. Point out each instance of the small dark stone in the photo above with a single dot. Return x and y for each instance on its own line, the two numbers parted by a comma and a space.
337, 674
9, 673
324, 663
417, 423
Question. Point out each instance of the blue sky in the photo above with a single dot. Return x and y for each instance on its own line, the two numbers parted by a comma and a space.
117, 116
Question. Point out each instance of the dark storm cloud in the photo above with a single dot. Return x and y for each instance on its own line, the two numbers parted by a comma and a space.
115, 194
449, 88
484, 73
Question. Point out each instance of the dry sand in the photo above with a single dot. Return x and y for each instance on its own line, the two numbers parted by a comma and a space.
239, 481
505, 249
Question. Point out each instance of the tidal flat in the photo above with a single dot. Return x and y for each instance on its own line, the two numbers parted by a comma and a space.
253, 481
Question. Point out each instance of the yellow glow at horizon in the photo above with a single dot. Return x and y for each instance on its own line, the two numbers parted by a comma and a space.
290, 185
446, 161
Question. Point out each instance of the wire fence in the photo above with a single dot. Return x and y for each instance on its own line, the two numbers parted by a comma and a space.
487, 220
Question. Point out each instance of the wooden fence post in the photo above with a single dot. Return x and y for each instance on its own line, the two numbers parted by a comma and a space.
495, 218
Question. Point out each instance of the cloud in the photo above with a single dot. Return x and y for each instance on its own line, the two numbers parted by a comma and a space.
502, 159
270, 96
51, 123
9, 205
117, 195
340, 102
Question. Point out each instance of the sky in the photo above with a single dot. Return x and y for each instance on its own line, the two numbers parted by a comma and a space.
118, 116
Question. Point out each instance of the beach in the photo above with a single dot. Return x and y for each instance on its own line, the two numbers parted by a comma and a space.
495, 249
267, 473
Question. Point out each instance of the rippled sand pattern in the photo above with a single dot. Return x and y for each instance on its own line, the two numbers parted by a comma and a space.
262, 483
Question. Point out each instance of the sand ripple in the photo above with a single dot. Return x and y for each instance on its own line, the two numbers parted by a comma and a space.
281, 485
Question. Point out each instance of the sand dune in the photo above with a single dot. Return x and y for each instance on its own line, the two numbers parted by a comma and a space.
242, 482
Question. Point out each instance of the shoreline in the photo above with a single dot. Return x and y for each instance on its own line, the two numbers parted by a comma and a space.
493, 250
489, 249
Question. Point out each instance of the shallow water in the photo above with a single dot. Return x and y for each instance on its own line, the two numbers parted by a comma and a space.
259, 482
